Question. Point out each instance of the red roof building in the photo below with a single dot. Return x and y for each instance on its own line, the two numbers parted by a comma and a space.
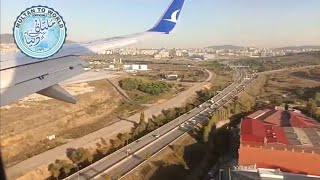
280, 139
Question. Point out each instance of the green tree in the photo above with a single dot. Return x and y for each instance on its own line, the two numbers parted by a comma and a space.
286, 106
103, 141
81, 155
189, 107
311, 107
206, 132
141, 127
299, 92
317, 98
55, 169
236, 105
142, 118
276, 100
179, 111
67, 166
151, 125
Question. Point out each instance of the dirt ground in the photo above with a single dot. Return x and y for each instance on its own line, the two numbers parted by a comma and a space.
26, 124
282, 83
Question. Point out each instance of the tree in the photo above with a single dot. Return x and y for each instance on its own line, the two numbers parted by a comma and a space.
169, 114
81, 155
141, 127
286, 106
317, 98
103, 141
142, 118
179, 111
311, 107
236, 105
276, 100
151, 125
189, 107
206, 132
299, 92
67, 166
55, 169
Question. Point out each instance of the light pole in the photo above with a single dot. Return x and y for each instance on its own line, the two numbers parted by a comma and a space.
128, 150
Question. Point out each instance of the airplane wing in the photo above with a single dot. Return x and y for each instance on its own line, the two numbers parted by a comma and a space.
21, 75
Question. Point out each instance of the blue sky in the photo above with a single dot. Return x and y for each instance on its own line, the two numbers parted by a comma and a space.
261, 23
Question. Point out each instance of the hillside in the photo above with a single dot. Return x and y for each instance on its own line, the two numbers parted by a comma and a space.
297, 47
226, 47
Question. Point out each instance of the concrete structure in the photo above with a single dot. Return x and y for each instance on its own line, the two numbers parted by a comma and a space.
286, 140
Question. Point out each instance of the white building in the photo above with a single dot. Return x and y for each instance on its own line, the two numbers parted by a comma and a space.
162, 54
179, 53
111, 66
143, 67
126, 67
135, 66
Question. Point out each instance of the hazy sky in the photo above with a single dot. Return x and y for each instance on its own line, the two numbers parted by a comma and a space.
261, 23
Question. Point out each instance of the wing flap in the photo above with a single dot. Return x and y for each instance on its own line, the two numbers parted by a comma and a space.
57, 92
35, 84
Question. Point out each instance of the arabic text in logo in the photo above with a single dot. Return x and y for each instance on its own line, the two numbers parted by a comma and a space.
39, 32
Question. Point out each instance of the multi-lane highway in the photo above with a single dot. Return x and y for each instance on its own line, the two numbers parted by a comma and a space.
122, 161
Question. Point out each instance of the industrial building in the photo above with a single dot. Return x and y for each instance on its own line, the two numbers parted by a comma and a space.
277, 139
135, 67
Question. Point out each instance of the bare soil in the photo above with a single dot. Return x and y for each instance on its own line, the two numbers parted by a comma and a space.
26, 124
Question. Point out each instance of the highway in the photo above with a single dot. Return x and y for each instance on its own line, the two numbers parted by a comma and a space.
108, 132
125, 159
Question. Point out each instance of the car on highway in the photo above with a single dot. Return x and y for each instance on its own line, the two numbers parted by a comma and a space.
192, 121
156, 135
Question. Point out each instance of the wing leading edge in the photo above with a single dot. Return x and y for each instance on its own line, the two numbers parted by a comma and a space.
22, 75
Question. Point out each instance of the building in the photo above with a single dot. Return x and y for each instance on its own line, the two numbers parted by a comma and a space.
135, 66
162, 54
143, 67
111, 66
126, 67
278, 139
172, 77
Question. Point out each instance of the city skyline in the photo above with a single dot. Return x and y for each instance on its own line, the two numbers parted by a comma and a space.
206, 23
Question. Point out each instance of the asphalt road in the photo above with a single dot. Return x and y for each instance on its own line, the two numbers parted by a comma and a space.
107, 132
117, 164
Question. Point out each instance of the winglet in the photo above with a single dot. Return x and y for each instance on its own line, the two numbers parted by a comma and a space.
170, 18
